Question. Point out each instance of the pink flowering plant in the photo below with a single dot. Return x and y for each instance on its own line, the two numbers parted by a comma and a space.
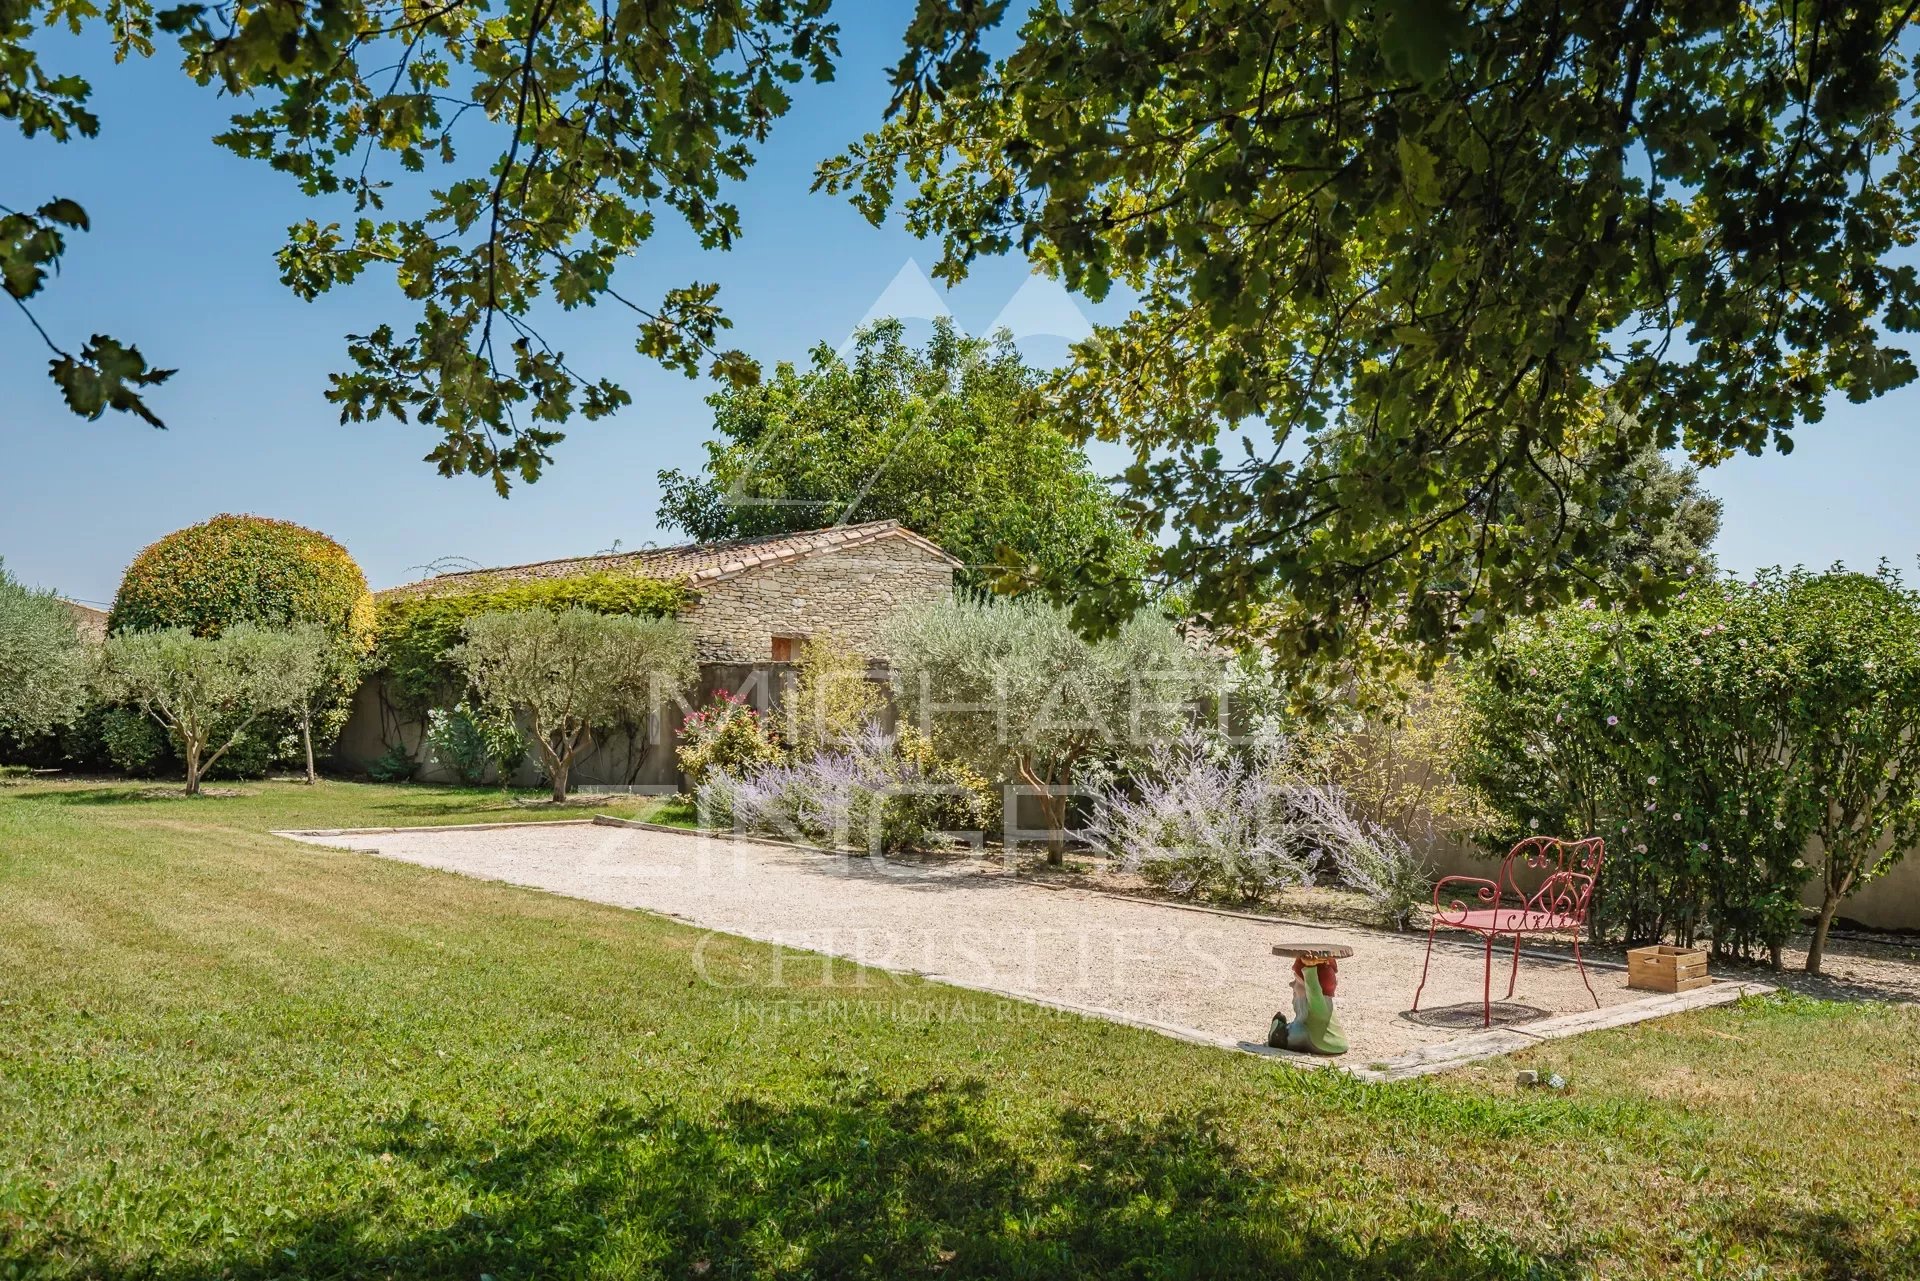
727, 736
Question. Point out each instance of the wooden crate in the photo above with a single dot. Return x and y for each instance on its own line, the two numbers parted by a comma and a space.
1662, 968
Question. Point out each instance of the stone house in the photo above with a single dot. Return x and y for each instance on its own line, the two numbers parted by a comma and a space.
755, 602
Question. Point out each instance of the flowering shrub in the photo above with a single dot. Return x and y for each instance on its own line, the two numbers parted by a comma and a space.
726, 737
1363, 855
1202, 823
879, 793
1681, 739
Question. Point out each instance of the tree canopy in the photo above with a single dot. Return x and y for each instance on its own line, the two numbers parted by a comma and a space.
1391, 267
938, 438
208, 690
1010, 684
43, 662
571, 672
1390, 264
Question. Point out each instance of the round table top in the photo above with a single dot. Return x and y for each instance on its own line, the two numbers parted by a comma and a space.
1314, 951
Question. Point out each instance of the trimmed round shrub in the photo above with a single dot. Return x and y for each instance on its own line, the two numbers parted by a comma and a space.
250, 569
244, 569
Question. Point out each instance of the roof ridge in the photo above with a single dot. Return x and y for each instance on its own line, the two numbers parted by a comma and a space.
805, 540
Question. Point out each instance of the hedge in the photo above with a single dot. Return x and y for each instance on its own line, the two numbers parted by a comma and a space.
414, 633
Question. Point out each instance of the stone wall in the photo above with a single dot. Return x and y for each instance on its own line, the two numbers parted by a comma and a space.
843, 595
642, 756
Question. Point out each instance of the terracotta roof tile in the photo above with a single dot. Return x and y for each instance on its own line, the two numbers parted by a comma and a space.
696, 563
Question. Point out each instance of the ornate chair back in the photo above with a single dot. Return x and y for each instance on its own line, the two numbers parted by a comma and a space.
1566, 871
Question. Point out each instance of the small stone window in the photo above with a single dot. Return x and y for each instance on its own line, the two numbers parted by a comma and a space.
786, 649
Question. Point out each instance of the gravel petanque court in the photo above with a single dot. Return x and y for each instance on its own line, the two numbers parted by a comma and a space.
1206, 975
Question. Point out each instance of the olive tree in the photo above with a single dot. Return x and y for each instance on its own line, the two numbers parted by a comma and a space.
318, 668
1012, 685
207, 691
42, 660
566, 672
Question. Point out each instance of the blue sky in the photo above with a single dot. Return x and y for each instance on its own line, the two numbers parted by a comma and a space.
180, 261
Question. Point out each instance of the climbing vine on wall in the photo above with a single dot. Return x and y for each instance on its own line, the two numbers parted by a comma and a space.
415, 633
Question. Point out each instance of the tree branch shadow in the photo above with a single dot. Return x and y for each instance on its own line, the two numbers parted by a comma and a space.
859, 1183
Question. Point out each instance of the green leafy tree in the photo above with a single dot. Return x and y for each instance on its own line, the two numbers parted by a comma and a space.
252, 569
567, 672
105, 373
1858, 692
416, 631
1389, 263
1011, 685
941, 439
312, 664
1694, 741
560, 131
207, 691
43, 661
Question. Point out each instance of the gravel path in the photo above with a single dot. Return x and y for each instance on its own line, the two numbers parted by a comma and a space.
964, 920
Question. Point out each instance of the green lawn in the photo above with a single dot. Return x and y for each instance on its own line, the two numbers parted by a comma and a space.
229, 1055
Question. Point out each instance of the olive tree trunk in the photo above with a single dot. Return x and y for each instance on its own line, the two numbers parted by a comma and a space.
306, 741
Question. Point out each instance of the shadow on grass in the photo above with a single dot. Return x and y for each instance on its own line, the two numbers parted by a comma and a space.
862, 1184
1831, 1244
154, 792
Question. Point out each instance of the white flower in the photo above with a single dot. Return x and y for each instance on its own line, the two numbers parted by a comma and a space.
1613, 720
1640, 849
1799, 864
1533, 824
1652, 781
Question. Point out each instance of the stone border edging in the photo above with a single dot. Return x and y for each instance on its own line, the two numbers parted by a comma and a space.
1494, 1042
431, 827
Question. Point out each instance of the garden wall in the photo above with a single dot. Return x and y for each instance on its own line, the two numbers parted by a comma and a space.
643, 758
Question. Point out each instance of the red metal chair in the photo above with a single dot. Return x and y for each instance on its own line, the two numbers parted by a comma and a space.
1558, 906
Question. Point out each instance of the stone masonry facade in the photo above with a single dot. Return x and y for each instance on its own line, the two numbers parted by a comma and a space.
845, 594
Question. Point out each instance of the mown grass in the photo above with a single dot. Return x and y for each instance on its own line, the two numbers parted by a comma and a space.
229, 1055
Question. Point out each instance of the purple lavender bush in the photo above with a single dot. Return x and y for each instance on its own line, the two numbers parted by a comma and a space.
1364, 856
871, 795
1203, 823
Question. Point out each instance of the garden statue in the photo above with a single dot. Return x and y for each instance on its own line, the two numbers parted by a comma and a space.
1314, 1027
